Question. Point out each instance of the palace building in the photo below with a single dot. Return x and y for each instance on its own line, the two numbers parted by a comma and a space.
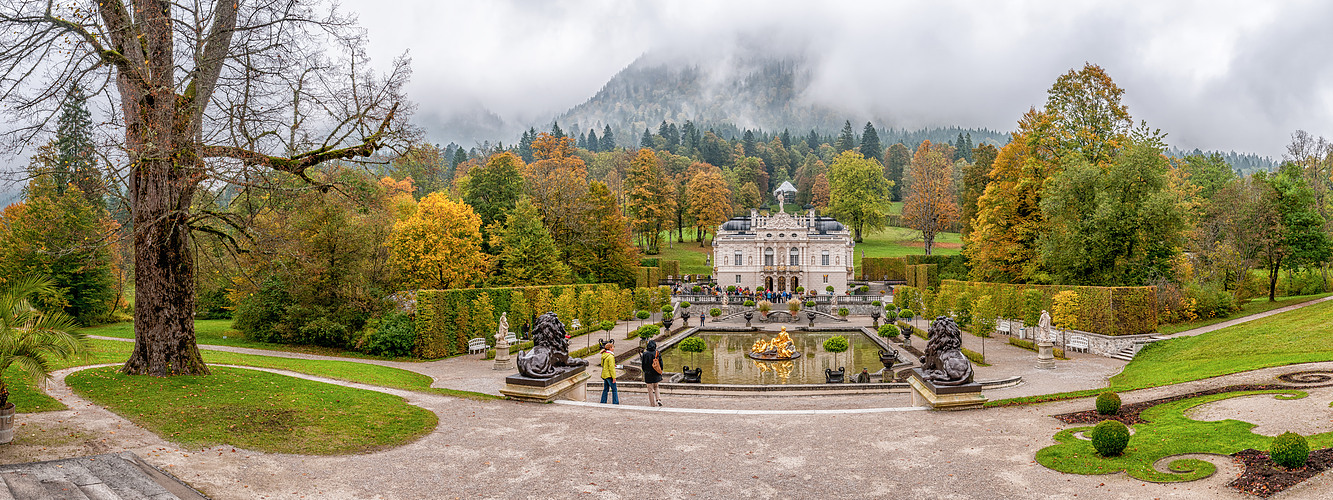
781, 252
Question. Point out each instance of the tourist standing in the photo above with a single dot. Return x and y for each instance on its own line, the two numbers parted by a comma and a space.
651, 361
609, 371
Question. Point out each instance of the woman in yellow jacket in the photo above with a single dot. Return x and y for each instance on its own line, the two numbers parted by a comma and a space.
609, 371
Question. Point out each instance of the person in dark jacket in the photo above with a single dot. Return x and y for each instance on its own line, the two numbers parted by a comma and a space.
651, 362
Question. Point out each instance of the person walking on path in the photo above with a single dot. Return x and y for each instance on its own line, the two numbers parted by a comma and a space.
651, 361
609, 371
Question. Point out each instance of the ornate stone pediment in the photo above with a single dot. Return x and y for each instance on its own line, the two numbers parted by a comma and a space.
782, 220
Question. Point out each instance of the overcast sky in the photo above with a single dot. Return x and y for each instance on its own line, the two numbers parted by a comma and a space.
1213, 75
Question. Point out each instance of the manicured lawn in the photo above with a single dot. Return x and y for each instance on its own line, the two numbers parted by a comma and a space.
220, 332
29, 400
1301, 336
257, 410
1168, 432
1255, 306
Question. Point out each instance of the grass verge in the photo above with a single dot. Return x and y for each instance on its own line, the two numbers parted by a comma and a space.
220, 332
257, 410
1168, 432
1293, 337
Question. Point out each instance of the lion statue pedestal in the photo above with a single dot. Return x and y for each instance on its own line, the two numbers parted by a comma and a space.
546, 372
944, 380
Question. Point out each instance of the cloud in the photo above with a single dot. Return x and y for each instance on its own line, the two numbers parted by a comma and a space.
1214, 75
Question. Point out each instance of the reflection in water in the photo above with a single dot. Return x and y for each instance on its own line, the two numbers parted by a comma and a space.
727, 361
781, 371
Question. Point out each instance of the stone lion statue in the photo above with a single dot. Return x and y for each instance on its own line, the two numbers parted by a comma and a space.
549, 356
944, 362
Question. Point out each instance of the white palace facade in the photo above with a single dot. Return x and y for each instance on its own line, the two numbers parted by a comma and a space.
781, 252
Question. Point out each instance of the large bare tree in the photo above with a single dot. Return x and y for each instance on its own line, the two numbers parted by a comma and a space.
199, 94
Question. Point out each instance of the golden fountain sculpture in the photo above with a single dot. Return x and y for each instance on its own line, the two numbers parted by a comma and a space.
780, 348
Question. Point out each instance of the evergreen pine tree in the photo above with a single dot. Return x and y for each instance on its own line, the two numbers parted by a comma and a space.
525, 144
594, 144
689, 137
958, 148
968, 147
747, 143
647, 140
75, 154
870, 147
786, 138
608, 141
672, 137
555, 130
582, 141
460, 156
812, 140
847, 140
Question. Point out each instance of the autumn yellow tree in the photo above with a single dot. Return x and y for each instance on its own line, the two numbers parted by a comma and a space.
931, 202
557, 182
650, 199
819, 193
710, 200
440, 245
1002, 246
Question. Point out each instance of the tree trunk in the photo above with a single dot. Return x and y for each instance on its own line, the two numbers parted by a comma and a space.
164, 342
1272, 281
928, 241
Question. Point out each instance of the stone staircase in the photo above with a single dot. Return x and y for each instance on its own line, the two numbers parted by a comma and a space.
110, 476
1128, 353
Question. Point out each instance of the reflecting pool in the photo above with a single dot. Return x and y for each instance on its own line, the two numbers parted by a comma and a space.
727, 360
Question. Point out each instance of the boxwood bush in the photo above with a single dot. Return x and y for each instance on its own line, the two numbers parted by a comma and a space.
1110, 438
1289, 450
1108, 403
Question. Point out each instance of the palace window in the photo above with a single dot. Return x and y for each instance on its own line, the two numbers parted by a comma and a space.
768, 256
795, 256
739, 260
824, 259
825, 278
738, 279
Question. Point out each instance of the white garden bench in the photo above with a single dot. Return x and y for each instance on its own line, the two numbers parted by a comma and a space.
1077, 343
511, 338
476, 345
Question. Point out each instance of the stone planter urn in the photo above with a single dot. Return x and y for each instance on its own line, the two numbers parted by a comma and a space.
811, 316
748, 316
666, 324
874, 316
685, 316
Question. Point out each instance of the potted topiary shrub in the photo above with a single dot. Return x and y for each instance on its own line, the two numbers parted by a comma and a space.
842, 311
809, 304
1289, 450
863, 289
1108, 403
731, 288
1110, 438
643, 314
890, 315
889, 331
749, 313
800, 289
836, 344
829, 289
696, 289
715, 312
694, 346
876, 303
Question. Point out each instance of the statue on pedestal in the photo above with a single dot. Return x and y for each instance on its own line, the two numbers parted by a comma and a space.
944, 362
550, 355
502, 359
1044, 327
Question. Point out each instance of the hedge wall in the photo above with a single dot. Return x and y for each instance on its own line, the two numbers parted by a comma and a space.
1127, 310
923, 275
645, 277
877, 268
952, 267
670, 268
446, 319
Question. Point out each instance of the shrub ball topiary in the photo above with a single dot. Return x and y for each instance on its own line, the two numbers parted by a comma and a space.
697, 289
800, 289
876, 303
864, 289
693, 344
842, 311
836, 343
1289, 450
684, 304
667, 309
749, 303
1108, 403
890, 316
643, 315
906, 314
829, 289
809, 303
888, 331
731, 288
1110, 438
715, 312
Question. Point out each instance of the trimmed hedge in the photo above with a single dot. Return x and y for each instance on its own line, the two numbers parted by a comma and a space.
923, 275
1126, 310
647, 277
877, 268
670, 267
446, 319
